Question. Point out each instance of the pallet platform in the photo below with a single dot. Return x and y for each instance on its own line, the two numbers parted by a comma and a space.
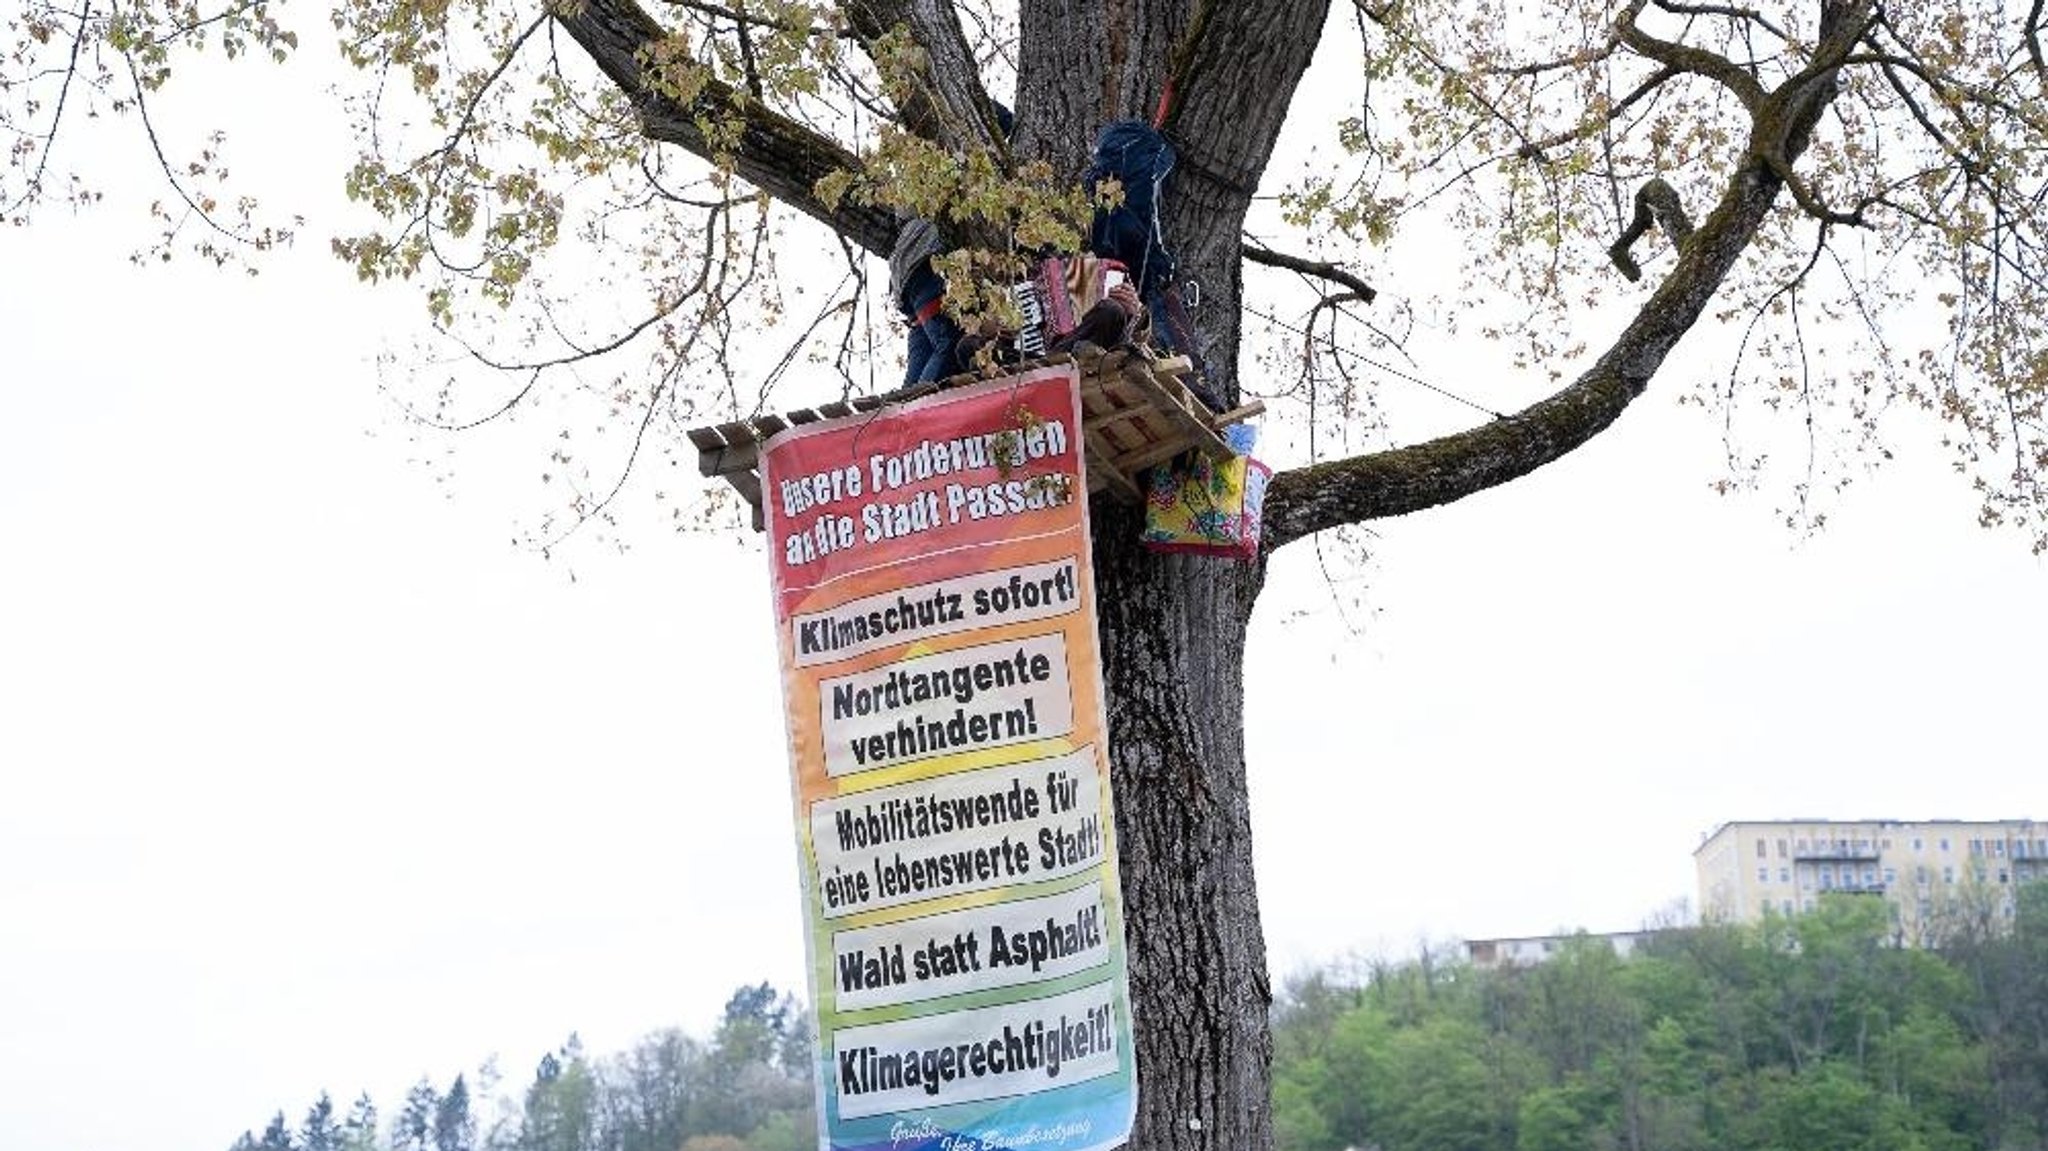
1136, 414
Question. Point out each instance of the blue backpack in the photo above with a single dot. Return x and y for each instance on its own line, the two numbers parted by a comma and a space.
1134, 154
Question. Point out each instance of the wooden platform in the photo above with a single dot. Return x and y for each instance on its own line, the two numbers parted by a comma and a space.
1136, 413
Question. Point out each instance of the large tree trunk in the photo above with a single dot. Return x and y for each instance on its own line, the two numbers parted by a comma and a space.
1173, 627
1173, 635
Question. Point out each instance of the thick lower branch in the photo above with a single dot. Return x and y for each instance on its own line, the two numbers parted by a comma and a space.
773, 152
1306, 500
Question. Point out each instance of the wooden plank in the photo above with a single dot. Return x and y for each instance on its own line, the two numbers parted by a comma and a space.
720, 448
1197, 431
1240, 414
769, 425
1101, 459
1134, 462
1114, 419
749, 486
726, 461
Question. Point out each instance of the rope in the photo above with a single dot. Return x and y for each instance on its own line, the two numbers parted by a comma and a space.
1372, 363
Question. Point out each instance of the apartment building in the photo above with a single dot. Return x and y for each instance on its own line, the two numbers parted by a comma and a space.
1925, 869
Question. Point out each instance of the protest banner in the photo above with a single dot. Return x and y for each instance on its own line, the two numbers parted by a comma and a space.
936, 615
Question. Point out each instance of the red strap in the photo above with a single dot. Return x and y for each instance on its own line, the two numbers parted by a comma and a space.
926, 313
1165, 103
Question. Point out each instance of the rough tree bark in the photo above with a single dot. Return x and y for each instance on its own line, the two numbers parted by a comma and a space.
1173, 629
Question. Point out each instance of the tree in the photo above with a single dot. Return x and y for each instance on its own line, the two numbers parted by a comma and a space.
454, 1126
748, 1075
321, 1131
414, 1129
654, 1091
1818, 162
359, 1130
561, 1107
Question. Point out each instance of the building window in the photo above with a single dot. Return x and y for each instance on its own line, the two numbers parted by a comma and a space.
1806, 878
1785, 875
1761, 848
1948, 875
1920, 875
1891, 876
1976, 847
1998, 847
1944, 845
1782, 853
2003, 877
1916, 843
1763, 875
1870, 877
1827, 880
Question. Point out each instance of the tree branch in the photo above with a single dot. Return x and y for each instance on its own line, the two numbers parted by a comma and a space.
1687, 58
1321, 269
773, 152
1303, 501
737, 16
1658, 202
1730, 11
946, 102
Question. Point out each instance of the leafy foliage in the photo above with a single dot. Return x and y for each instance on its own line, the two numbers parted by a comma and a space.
1815, 1033
512, 182
749, 1089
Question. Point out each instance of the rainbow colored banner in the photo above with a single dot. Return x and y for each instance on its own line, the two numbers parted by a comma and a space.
936, 613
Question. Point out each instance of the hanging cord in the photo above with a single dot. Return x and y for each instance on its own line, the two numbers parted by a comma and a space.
1368, 361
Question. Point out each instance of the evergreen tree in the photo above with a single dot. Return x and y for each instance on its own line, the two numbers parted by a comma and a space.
321, 1131
454, 1127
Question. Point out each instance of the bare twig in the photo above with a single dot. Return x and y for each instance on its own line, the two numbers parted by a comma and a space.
35, 181
1749, 15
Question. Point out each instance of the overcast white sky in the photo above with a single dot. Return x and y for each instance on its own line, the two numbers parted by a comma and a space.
310, 779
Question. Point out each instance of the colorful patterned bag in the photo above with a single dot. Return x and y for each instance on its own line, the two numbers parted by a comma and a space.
1196, 504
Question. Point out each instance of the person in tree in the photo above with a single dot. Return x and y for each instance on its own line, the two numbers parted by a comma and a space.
920, 293
935, 350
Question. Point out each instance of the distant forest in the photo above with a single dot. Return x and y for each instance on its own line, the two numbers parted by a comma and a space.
1810, 1033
